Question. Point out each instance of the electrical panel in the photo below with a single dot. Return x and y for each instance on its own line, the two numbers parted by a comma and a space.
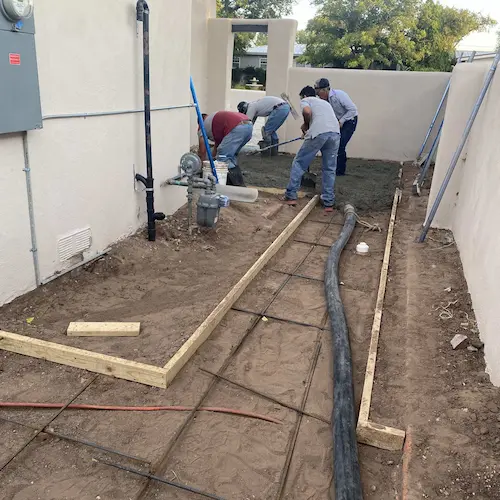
20, 107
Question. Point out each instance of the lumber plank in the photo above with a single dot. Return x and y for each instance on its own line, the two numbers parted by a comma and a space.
366, 397
380, 436
80, 358
187, 350
104, 329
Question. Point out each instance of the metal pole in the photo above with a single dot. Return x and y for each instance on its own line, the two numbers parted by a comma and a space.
31, 211
440, 106
458, 152
280, 144
438, 111
427, 163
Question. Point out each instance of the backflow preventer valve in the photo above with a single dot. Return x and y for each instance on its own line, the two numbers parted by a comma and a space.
209, 202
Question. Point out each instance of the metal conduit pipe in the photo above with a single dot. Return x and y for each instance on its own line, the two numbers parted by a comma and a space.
347, 478
31, 210
142, 9
112, 113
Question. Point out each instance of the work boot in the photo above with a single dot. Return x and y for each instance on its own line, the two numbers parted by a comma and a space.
308, 180
274, 151
235, 177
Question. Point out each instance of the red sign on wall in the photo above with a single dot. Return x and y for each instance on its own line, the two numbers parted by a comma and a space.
15, 59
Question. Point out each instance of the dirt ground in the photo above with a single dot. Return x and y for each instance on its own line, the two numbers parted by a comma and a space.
369, 184
270, 360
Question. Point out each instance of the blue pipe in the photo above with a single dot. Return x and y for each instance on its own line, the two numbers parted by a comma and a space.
202, 128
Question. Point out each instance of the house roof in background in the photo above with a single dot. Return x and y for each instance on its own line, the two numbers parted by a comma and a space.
261, 50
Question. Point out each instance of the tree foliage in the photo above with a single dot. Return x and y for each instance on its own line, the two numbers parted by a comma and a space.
252, 9
388, 34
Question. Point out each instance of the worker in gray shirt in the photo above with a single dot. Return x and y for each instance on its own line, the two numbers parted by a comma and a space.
346, 113
321, 133
275, 109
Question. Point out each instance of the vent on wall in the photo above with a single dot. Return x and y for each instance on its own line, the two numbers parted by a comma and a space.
74, 244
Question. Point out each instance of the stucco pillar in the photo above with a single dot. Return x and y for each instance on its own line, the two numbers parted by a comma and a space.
220, 48
281, 41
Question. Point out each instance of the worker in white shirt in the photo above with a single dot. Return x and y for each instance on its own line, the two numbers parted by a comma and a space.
275, 109
346, 113
321, 133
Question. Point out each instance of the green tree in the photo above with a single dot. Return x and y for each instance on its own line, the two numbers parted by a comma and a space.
387, 34
252, 9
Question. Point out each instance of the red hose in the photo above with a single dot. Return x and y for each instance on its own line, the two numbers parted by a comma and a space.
141, 408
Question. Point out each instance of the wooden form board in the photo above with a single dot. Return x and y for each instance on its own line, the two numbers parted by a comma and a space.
368, 432
80, 358
106, 329
140, 372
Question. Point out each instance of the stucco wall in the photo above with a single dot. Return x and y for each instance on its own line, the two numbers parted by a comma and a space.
395, 108
16, 265
470, 205
201, 69
83, 169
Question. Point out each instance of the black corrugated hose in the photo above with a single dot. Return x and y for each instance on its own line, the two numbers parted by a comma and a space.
347, 479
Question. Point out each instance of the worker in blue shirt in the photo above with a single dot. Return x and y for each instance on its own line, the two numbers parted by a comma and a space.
347, 115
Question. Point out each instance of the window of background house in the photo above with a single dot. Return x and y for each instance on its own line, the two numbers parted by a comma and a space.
236, 62
263, 63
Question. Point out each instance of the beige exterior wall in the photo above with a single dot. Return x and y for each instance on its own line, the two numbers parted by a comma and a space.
471, 202
83, 169
395, 108
201, 68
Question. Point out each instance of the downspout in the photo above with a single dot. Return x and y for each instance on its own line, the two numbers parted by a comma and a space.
142, 10
31, 212
347, 478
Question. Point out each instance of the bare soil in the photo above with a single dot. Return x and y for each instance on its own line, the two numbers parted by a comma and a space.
368, 185
440, 396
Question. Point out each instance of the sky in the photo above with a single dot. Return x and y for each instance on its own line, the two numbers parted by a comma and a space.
476, 41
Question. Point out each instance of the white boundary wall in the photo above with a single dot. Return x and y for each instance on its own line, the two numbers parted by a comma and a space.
470, 205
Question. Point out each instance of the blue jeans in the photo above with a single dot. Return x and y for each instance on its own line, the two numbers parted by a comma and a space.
328, 144
346, 132
233, 142
274, 122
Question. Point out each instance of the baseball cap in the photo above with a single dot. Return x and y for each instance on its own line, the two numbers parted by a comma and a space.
322, 83
243, 107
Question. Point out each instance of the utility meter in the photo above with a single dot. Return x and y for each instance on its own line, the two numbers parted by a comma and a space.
17, 10
20, 107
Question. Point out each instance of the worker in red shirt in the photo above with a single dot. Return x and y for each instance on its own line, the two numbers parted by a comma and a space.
230, 131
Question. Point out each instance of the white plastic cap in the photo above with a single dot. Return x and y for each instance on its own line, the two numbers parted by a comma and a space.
362, 248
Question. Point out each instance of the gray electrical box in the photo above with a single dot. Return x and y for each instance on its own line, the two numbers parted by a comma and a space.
20, 107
